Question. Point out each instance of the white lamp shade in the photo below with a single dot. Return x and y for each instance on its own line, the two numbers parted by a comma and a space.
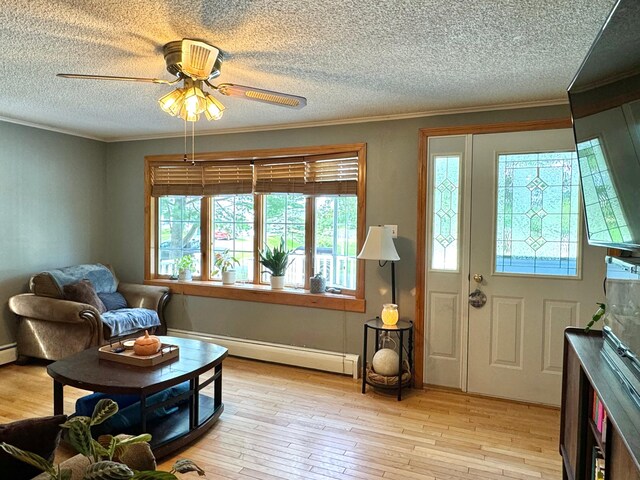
379, 245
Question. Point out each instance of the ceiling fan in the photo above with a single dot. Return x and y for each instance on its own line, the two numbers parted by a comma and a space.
195, 63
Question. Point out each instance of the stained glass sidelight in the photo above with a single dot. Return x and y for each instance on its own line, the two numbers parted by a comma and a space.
537, 216
607, 222
444, 224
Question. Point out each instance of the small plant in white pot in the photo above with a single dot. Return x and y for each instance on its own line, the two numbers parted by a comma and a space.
224, 263
186, 265
276, 261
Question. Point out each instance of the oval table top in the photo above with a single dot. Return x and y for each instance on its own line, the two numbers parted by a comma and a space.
87, 371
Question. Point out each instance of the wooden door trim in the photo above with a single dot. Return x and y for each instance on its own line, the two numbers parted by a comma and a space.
423, 143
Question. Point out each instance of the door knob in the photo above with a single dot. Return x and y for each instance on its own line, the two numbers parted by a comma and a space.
478, 278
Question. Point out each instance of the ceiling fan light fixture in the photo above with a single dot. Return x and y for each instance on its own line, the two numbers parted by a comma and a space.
172, 101
195, 63
214, 108
194, 100
187, 115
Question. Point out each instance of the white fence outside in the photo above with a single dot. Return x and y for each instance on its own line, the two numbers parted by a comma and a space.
340, 271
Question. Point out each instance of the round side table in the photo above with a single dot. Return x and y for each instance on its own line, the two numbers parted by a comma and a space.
404, 330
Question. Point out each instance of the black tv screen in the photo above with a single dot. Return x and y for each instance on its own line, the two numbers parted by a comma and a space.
605, 108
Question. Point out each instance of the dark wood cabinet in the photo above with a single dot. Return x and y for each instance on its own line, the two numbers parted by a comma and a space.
587, 373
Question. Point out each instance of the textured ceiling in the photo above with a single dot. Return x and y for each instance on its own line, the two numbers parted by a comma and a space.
351, 59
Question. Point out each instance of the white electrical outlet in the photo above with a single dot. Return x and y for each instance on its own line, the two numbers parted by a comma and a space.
394, 230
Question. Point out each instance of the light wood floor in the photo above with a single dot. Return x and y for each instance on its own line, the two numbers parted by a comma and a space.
284, 422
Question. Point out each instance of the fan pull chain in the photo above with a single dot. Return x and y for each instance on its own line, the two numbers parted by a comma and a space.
185, 141
193, 143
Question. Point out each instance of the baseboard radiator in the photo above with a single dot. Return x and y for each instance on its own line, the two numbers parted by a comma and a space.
8, 353
344, 363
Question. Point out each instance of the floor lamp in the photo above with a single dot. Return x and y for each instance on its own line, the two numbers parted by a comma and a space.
379, 246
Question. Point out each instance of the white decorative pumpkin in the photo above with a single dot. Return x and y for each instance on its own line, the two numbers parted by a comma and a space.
385, 362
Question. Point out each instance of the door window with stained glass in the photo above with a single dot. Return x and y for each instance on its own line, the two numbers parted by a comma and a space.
537, 214
445, 214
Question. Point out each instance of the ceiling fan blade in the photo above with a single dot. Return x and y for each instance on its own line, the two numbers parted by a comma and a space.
120, 79
261, 95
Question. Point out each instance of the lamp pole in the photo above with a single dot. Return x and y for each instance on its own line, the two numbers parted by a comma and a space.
393, 282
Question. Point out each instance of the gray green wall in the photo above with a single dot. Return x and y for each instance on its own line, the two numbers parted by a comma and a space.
392, 165
52, 207
66, 200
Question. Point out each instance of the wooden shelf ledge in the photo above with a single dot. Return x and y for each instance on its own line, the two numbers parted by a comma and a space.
264, 294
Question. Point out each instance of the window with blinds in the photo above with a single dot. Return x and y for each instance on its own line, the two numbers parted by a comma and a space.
312, 198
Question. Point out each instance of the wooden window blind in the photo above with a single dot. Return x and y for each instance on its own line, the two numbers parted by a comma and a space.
201, 179
279, 176
335, 174
227, 178
331, 174
312, 175
176, 179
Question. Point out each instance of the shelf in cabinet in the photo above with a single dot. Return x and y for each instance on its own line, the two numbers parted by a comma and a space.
598, 437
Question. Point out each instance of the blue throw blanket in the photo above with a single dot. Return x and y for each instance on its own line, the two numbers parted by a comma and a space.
100, 276
128, 320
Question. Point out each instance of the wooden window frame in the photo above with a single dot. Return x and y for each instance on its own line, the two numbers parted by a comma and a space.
348, 300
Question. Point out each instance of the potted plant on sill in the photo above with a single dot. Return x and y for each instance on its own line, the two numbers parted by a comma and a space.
224, 263
276, 261
186, 264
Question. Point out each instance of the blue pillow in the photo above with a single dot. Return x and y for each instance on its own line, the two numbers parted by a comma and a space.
113, 301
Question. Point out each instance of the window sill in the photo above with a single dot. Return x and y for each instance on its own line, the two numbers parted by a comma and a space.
264, 294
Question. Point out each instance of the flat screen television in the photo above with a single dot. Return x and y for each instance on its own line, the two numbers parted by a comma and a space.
605, 108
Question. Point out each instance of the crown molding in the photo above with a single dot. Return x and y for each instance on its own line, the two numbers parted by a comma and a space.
289, 126
50, 128
347, 121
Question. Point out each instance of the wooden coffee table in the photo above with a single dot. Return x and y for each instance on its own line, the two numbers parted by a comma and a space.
86, 371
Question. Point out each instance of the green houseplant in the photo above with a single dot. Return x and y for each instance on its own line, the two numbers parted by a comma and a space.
186, 264
102, 454
224, 263
276, 261
602, 308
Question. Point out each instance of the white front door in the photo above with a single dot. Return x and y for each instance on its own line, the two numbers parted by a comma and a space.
505, 206
538, 273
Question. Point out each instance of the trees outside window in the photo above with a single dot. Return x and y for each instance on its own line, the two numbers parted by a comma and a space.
179, 232
233, 229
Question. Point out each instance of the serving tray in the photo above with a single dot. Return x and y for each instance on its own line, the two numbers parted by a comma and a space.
167, 352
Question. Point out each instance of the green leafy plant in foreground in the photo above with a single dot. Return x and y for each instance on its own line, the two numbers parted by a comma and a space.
102, 453
602, 308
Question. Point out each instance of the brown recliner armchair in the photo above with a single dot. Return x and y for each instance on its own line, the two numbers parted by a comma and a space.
51, 327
